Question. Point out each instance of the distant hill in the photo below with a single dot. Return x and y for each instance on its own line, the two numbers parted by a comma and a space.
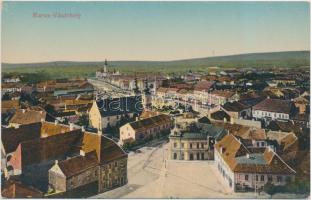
270, 59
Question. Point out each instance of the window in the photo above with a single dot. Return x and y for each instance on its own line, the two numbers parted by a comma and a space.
198, 156
175, 144
116, 164
202, 156
175, 156
182, 145
182, 156
191, 156
262, 178
256, 177
246, 177
202, 145
269, 178
198, 145
279, 178
190, 145
262, 144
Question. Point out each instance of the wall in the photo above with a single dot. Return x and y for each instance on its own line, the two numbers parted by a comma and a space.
182, 150
112, 175
86, 177
95, 117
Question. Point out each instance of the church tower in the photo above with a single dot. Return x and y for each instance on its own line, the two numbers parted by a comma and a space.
105, 66
147, 97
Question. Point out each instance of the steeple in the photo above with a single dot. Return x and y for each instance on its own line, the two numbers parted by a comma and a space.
105, 66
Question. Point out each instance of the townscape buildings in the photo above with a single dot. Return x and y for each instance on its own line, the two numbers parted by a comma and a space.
64, 136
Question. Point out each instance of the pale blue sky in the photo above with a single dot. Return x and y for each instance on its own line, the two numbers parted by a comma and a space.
150, 30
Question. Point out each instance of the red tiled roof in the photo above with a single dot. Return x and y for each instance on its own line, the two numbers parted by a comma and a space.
12, 137
78, 164
23, 116
203, 85
14, 189
275, 105
233, 148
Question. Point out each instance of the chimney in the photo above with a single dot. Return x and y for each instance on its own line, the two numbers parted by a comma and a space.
83, 129
56, 122
23, 110
71, 126
56, 162
137, 119
247, 155
82, 153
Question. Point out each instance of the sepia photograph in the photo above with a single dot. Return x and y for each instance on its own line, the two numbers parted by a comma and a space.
155, 99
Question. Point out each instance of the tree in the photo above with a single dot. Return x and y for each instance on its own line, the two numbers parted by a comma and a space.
269, 188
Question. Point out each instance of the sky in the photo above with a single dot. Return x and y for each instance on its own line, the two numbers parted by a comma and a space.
95, 31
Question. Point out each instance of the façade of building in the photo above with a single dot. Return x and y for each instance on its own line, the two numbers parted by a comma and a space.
273, 109
141, 129
246, 169
197, 143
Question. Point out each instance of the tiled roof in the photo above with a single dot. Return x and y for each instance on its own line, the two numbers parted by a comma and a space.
203, 85
220, 115
234, 106
110, 151
106, 149
151, 122
50, 148
119, 106
78, 164
12, 137
283, 126
147, 114
49, 129
275, 105
223, 93
9, 104
162, 89
15, 189
77, 102
235, 155
27, 116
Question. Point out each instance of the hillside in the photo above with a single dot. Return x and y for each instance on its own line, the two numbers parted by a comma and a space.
68, 68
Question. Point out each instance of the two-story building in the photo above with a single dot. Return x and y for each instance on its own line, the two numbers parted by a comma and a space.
141, 129
273, 109
244, 169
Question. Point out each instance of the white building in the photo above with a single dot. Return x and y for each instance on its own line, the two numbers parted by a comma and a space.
244, 170
273, 109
